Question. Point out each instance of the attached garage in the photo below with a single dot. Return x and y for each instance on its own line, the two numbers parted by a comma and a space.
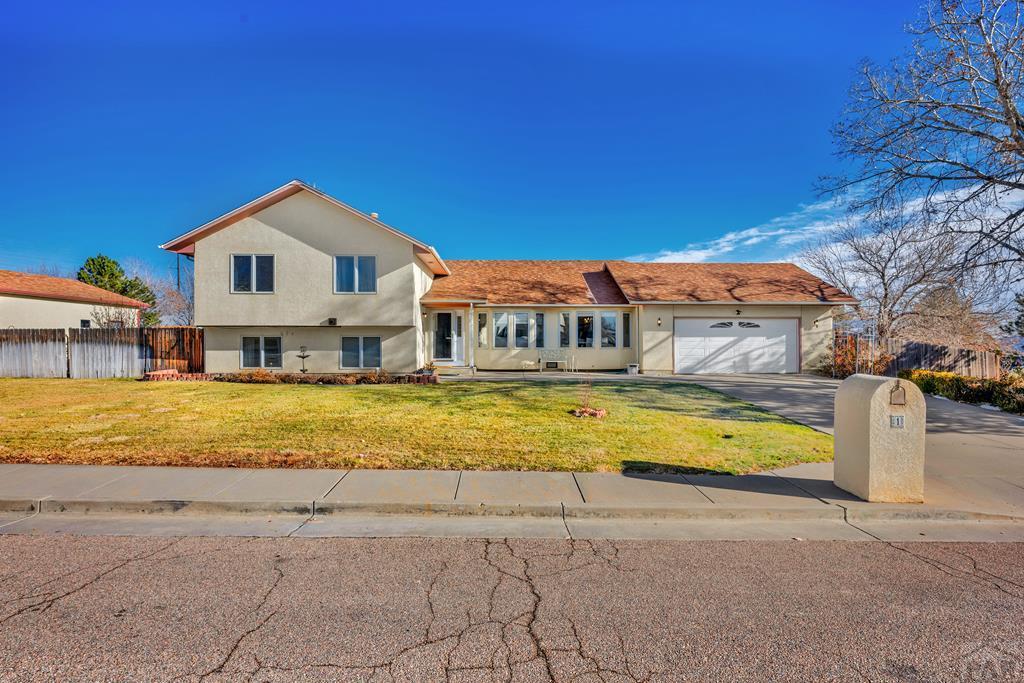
722, 345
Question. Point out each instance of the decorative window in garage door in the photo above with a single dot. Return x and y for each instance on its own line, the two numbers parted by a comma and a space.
747, 324
720, 325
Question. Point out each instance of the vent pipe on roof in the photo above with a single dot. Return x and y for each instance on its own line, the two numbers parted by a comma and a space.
374, 215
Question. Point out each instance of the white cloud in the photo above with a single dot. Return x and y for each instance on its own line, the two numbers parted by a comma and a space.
775, 239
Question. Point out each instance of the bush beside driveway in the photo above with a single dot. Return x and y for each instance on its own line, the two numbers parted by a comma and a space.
507, 425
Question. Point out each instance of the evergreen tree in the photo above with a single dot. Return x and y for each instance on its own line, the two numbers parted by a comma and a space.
106, 273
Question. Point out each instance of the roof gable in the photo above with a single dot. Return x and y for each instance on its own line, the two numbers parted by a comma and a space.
61, 289
185, 244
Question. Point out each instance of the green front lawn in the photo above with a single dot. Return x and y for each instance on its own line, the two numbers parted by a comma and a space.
510, 425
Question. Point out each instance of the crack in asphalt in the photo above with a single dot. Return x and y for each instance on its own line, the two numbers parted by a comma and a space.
49, 599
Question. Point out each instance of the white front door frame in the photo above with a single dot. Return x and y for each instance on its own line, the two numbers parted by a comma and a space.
456, 338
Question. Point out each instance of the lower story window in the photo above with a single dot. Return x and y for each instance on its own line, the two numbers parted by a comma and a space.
261, 352
584, 330
360, 352
540, 330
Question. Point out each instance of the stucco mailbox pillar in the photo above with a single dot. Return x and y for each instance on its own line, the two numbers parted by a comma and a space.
879, 439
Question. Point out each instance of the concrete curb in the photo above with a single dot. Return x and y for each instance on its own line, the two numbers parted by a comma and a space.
704, 512
18, 505
445, 509
823, 512
185, 507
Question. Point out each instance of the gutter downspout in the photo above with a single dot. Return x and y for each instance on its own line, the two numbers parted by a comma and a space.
471, 325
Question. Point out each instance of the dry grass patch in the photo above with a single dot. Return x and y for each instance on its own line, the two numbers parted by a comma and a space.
513, 425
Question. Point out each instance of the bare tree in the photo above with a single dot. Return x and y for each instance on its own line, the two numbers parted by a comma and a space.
176, 304
943, 126
907, 277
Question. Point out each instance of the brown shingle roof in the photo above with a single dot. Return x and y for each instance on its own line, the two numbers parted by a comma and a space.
727, 282
527, 282
621, 282
61, 288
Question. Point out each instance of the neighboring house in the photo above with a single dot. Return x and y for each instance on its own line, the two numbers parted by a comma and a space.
298, 272
28, 300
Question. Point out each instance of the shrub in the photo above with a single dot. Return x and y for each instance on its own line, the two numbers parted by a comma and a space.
262, 376
842, 362
1006, 393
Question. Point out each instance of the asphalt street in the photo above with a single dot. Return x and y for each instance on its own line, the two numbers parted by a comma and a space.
76, 608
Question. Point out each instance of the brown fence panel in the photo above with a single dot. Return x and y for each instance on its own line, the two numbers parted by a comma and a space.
912, 355
33, 353
173, 348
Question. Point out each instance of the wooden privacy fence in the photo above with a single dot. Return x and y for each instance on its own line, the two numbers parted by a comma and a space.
96, 353
861, 353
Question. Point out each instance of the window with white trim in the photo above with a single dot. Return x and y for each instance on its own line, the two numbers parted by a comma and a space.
539, 330
609, 326
627, 332
481, 330
355, 274
522, 330
563, 329
252, 273
501, 330
360, 352
584, 330
260, 352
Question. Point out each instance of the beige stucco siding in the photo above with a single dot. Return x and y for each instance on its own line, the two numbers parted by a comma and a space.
657, 355
323, 344
29, 312
486, 357
304, 233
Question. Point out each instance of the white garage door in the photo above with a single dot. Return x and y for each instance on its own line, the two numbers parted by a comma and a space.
709, 345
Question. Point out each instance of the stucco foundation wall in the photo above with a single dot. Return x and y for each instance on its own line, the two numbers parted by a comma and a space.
657, 356
596, 358
398, 347
28, 312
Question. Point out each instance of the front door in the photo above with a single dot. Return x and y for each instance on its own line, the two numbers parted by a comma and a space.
443, 336
449, 339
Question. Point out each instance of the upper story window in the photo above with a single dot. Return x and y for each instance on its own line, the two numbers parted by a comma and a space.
252, 273
355, 274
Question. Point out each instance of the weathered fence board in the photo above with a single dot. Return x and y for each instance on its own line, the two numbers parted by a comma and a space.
100, 352
861, 353
33, 353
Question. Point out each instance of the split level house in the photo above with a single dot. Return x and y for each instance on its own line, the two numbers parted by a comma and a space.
299, 279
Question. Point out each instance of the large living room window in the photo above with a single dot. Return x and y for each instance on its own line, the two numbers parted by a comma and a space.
522, 330
360, 352
608, 325
355, 274
584, 330
261, 352
252, 273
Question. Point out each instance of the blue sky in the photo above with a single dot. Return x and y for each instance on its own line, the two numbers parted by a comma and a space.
514, 130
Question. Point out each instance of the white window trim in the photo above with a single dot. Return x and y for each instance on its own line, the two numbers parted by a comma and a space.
482, 333
600, 333
341, 350
540, 316
568, 329
594, 330
515, 334
509, 342
252, 266
355, 273
263, 358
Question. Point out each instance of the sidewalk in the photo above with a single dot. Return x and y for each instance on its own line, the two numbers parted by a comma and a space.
804, 492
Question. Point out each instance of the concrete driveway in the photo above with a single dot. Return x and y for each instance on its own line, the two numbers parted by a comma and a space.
974, 456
